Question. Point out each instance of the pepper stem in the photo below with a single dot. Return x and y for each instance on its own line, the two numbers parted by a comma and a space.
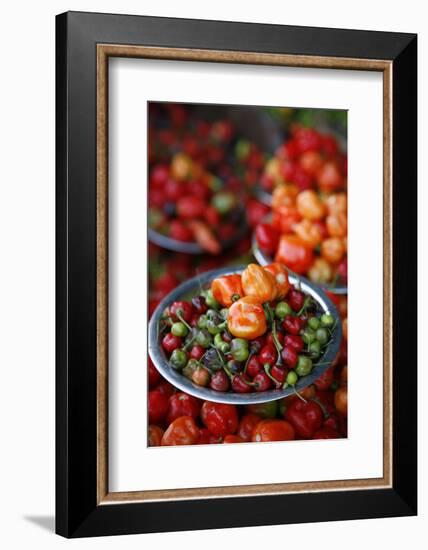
266, 366
178, 314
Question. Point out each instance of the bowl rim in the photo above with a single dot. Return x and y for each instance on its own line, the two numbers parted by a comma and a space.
182, 383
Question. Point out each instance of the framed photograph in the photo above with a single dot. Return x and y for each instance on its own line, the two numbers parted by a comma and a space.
236, 253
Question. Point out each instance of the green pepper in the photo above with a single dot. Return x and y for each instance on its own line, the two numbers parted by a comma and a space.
202, 321
308, 335
203, 338
239, 349
315, 349
179, 329
327, 320
210, 300
304, 365
242, 149
322, 336
221, 344
178, 359
314, 323
282, 310
291, 378
223, 202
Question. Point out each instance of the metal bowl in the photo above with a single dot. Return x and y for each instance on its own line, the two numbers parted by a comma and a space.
192, 247
264, 259
187, 290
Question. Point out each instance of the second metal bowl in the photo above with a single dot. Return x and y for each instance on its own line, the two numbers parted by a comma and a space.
187, 290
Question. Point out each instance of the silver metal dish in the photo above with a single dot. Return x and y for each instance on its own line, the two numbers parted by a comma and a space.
187, 290
264, 259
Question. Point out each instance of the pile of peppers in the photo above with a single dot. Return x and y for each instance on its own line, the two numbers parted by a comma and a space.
248, 332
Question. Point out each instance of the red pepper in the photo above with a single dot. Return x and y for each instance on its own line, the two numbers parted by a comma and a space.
294, 253
207, 438
154, 375
326, 433
221, 419
247, 424
183, 431
305, 416
273, 430
157, 405
181, 309
182, 404
325, 380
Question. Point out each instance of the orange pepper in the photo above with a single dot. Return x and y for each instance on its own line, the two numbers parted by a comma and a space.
310, 206
337, 225
227, 289
308, 232
333, 250
341, 400
246, 318
280, 274
337, 203
259, 283
181, 167
284, 195
320, 271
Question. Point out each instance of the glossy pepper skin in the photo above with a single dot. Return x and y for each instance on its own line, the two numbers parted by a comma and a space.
227, 289
294, 253
273, 430
221, 419
183, 431
306, 417
246, 318
258, 283
280, 274
182, 404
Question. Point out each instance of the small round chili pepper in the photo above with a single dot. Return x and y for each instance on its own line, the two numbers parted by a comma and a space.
290, 356
219, 381
239, 349
282, 309
304, 365
171, 342
178, 359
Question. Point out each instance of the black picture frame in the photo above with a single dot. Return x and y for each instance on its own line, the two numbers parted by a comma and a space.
77, 511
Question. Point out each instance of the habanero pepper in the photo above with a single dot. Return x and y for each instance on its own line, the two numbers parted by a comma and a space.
227, 289
183, 431
280, 274
246, 318
259, 283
